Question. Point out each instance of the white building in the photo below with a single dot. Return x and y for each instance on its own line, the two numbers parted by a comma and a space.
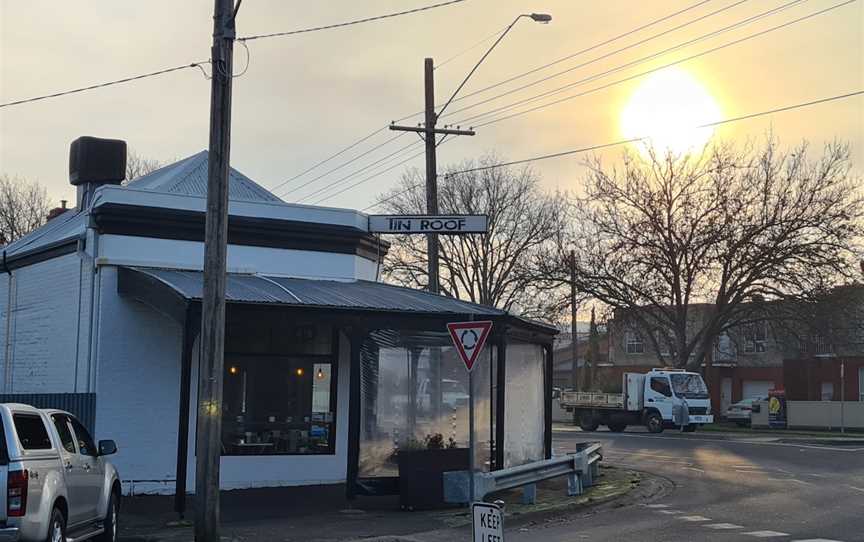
327, 370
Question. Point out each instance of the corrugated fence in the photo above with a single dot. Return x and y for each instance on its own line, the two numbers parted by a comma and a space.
82, 405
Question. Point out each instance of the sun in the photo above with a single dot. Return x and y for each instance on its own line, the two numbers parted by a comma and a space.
667, 109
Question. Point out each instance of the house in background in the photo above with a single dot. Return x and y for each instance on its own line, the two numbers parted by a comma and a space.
100, 314
752, 359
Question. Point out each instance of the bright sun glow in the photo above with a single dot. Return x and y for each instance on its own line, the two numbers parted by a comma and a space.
667, 108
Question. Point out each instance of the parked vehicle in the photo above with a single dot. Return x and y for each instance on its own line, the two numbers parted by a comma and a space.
58, 483
655, 399
742, 411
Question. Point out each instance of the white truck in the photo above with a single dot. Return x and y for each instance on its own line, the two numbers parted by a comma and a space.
657, 399
55, 483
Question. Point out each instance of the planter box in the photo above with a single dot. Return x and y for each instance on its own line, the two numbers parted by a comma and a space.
421, 475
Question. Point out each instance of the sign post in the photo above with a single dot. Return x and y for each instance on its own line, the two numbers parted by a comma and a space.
469, 338
487, 522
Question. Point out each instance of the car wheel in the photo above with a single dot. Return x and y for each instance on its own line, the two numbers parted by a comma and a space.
110, 522
587, 423
57, 527
690, 428
654, 423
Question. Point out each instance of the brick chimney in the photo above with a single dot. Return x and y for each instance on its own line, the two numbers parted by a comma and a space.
94, 162
57, 211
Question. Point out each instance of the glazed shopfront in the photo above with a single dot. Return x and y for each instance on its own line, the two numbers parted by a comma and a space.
327, 381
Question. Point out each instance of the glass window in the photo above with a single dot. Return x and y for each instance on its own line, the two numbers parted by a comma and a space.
66, 437
689, 386
755, 337
31, 432
660, 384
85, 441
634, 345
524, 412
278, 405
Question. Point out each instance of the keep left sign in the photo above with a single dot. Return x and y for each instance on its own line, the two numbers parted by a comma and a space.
488, 522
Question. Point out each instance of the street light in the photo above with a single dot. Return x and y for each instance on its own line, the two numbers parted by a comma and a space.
543, 18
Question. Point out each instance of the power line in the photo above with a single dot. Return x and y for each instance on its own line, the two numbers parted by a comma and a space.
518, 76
110, 83
349, 23
340, 166
327, 187
625, 141
680, 61
572, 55
642, 138
628, 64
472, 47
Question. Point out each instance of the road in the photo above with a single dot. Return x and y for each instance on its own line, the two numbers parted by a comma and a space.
744, 489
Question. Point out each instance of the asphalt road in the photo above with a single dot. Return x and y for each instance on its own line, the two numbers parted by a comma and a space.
744, 489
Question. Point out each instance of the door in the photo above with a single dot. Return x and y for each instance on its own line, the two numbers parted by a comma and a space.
658, 395
725, 395
756, 388
74, 474
92, 467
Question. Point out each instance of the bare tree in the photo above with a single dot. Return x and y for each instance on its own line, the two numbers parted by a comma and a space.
495, 269
733, 231
138, 166
24, 206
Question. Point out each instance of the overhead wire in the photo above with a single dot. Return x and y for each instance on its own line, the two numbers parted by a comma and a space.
664, 66
775, 110
198, 64
471, 48
349, 23
708, 35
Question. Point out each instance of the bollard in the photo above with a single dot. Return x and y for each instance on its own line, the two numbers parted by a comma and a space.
529, 494
574, 485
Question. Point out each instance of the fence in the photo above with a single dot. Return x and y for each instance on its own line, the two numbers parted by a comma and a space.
817, 415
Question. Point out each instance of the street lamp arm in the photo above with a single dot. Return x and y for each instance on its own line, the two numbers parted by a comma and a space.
539, 17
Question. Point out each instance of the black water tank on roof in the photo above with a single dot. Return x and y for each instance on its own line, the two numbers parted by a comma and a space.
98, 161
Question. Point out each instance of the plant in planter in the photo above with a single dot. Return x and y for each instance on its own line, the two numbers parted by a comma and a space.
422, 467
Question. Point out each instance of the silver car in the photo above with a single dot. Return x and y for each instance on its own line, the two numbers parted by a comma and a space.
741, 412
57, 481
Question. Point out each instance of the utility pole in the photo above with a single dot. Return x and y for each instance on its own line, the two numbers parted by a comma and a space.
574, 331
429, 131
209, 432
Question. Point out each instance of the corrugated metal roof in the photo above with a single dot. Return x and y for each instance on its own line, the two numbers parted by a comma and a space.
69, 225
189, 177
355, 295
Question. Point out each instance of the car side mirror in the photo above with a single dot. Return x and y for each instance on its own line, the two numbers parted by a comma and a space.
107, 447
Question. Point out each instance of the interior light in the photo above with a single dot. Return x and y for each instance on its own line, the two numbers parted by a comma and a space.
232, 370
299, 371
320, 375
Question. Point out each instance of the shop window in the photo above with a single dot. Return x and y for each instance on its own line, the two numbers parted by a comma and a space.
634, 342
280, 400
755, 337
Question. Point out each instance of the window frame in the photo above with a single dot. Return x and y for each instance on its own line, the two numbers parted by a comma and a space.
664, 379
74, 423
632, 338
753, 344
59, 418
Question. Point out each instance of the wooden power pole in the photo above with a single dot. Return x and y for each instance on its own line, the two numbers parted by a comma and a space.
429, 132
209, 432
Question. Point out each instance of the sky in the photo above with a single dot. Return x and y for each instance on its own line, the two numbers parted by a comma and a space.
308, 96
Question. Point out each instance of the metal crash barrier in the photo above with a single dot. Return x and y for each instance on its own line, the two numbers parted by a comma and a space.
581, 468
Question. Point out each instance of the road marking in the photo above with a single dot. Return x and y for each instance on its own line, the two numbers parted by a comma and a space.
817, 540
723, 526
670, 512
693, 518
765, 534
855, 488
657, 505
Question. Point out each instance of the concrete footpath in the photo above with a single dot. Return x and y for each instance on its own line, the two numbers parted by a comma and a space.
322, 514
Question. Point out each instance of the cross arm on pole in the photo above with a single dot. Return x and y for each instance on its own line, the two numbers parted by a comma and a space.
424, 130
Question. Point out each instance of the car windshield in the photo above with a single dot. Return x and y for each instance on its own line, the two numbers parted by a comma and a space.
689, 386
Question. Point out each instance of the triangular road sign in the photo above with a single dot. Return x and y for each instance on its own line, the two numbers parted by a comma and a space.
469, 338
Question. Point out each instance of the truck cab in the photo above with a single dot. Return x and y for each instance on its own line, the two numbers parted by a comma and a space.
679, 398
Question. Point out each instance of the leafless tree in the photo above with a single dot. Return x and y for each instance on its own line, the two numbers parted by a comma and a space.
736, 231
495, 269
138, 166
24, 206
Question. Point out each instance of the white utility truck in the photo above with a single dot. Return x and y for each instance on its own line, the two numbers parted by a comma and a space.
656, 399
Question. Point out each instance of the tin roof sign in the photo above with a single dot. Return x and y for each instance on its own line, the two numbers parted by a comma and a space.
487, 521
443, 224
469, 338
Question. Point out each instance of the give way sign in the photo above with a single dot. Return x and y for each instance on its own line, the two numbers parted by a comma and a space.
469, 338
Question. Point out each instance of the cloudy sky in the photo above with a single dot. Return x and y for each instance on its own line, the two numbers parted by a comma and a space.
305, 97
